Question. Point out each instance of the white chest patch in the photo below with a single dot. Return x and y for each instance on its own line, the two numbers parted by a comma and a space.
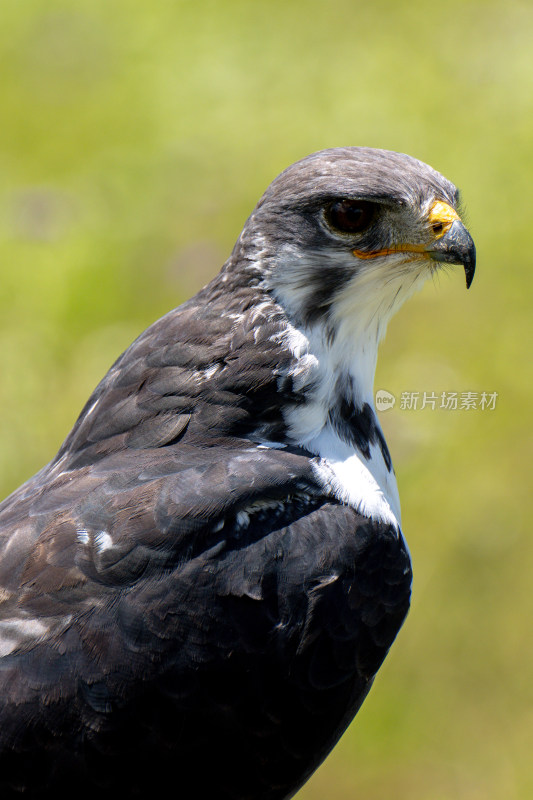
364, 484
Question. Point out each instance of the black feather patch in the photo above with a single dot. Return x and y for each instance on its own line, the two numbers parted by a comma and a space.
358, 426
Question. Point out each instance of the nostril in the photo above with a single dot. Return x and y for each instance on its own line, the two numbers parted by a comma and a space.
437, 228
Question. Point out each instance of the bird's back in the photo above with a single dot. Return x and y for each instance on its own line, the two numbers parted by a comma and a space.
232, 666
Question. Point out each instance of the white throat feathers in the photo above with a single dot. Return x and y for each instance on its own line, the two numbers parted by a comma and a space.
338, 421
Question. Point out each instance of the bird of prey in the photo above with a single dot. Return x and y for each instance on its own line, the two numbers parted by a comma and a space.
198, 590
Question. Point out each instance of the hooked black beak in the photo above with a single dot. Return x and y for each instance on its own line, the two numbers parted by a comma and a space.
456, 246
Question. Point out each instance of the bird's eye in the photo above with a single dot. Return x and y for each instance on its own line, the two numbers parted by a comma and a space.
350, 216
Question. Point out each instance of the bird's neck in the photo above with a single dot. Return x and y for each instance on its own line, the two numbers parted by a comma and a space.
329, 374
337, 420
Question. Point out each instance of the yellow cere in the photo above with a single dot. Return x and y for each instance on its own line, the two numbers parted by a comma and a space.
442, 214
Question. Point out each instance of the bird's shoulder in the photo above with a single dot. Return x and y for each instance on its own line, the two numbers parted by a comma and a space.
216, 363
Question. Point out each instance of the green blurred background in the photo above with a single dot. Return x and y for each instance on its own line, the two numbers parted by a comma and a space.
135, 137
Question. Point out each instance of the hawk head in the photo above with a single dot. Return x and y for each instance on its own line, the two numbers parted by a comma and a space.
344, 236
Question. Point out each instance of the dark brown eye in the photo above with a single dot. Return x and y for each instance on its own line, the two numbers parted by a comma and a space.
350, 216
